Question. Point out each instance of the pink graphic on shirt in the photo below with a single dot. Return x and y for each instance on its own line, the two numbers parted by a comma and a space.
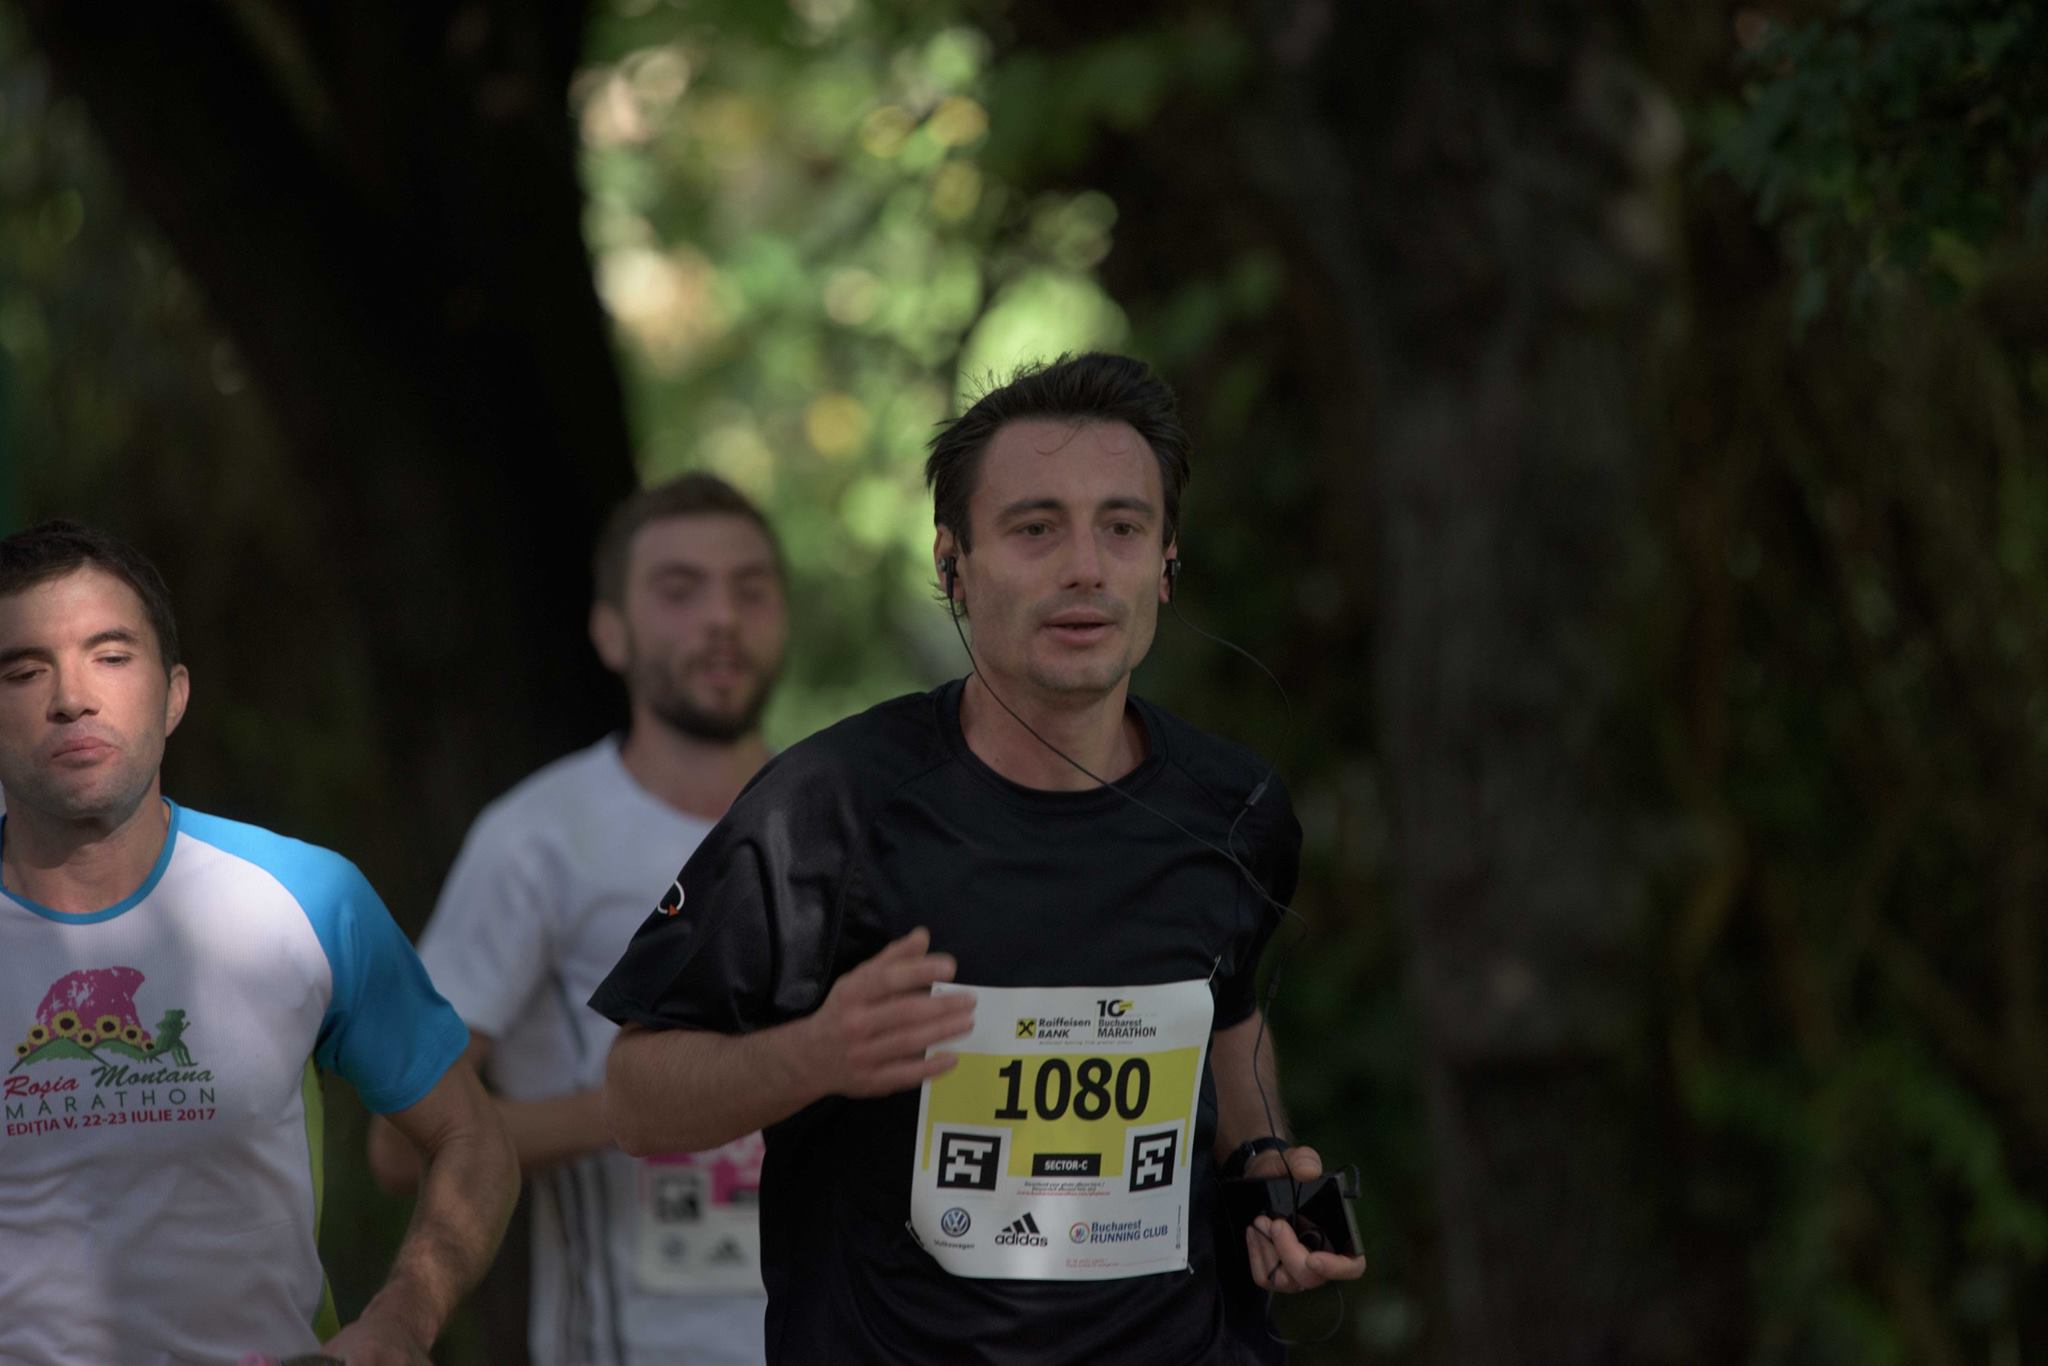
94, 994
734, 1170
90, 1016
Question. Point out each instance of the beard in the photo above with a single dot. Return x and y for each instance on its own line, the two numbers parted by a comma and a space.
669, 695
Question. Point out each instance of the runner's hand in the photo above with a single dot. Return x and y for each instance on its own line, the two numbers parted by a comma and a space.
869, 1037
1279, 1261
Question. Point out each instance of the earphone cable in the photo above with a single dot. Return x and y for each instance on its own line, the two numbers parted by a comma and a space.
1226, 851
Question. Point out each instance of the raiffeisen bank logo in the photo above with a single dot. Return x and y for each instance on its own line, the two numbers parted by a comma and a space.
1023, 1233
1055, 1027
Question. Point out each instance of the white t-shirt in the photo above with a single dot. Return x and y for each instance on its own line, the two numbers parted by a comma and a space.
160, 1160
632, 1261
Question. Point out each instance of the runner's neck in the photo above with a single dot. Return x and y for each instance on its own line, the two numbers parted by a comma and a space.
1101, 736
83, 867
699, 778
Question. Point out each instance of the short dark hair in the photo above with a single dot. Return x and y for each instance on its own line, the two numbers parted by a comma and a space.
52, 549
691, 495
1093, 387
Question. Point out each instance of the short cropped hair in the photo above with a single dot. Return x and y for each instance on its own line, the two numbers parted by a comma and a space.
690, 495
50, 550
1094, 387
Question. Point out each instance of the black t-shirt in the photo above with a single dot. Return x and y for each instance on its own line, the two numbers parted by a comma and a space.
885, 822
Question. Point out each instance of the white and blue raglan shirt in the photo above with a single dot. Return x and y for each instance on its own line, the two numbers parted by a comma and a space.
160, 1160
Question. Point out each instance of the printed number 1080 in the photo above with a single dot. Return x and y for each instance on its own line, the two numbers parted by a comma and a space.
1091, 1089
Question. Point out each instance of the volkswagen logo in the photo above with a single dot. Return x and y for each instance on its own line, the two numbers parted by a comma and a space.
954, 1222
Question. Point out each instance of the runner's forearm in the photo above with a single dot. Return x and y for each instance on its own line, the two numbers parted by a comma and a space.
1241, 1112
543, 1132
465, 1200
686, 1090
555, 1130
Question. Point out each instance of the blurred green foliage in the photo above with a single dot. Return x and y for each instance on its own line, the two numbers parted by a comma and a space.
1893, 138
802, 236
1861, 726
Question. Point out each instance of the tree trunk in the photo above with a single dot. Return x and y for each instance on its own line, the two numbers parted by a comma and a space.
381, 207
1521, 266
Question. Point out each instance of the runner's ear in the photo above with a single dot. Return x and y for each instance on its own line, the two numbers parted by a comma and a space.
176, 696
608, 635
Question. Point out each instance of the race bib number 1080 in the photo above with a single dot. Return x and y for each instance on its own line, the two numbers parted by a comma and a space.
1059, 1147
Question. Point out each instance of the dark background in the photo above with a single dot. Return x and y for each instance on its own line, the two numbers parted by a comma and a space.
1619, 427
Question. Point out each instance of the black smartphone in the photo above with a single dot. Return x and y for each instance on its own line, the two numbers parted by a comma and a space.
1318, 1211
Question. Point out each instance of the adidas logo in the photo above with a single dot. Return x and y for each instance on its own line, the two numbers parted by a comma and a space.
1023, 1233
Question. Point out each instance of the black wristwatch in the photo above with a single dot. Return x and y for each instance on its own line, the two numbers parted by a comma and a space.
1234, 1165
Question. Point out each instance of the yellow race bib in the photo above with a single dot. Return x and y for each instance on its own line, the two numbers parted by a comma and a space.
1059, 1147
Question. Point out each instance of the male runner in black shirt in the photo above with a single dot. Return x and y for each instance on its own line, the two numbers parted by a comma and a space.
950, 868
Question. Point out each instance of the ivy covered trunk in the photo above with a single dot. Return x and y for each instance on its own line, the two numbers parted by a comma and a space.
1521, 262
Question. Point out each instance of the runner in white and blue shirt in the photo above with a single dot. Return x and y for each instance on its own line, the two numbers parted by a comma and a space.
170, 985
162, 1115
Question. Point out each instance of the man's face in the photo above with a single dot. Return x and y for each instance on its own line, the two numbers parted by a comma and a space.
1064, 581
700, 638
85, 704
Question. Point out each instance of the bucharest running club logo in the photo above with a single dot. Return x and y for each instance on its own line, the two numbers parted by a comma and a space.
90, 1016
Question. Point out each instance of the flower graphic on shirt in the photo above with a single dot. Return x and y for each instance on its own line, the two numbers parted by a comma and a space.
91, 1015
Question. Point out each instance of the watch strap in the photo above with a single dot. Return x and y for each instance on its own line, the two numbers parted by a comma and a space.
1234, 1165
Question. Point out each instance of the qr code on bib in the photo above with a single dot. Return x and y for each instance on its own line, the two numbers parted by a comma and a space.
1152, 1159
969, 1161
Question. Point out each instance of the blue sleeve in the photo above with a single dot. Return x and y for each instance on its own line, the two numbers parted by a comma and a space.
387, 1030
